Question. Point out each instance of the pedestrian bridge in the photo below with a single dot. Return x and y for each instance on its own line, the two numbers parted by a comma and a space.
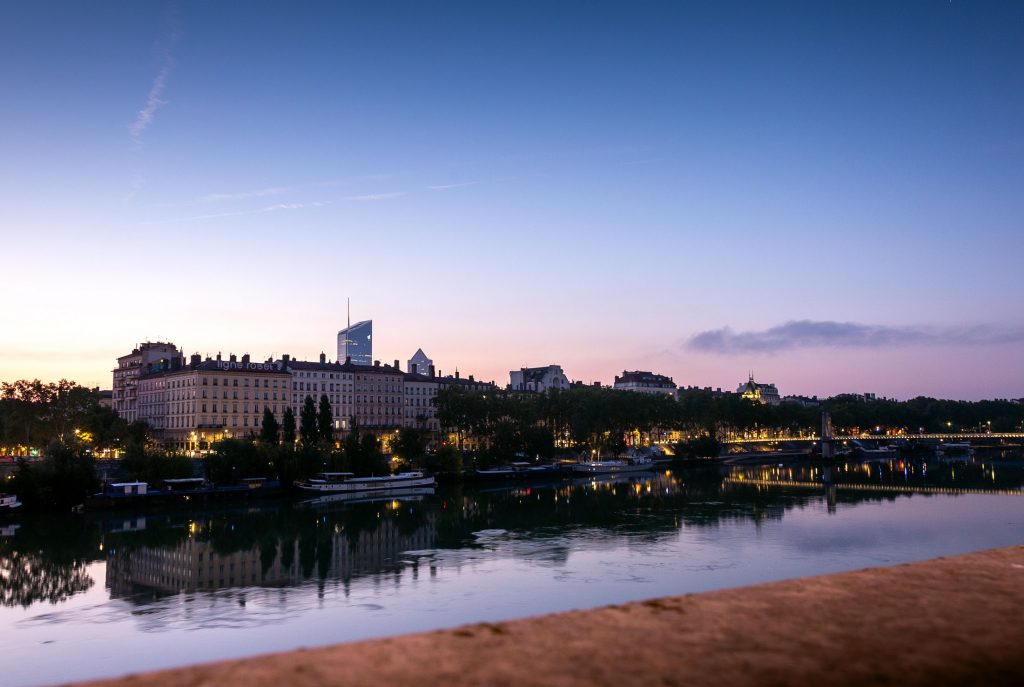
872, 437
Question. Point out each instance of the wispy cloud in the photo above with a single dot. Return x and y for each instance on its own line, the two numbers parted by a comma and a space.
294, 206
377, 196
828, 334
243, 195
154, 99
269, 208
445, 187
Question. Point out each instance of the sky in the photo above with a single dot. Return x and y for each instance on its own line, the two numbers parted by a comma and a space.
828, 195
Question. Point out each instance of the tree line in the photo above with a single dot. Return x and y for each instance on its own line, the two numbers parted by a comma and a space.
601, 420
484, 429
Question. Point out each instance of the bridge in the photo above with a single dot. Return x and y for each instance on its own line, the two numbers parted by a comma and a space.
853, 486
875, 437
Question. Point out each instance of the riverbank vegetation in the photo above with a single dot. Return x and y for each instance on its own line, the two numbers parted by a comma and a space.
477, 431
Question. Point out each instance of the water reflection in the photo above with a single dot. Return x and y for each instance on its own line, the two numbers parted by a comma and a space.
45, 559
288, 544
278, 546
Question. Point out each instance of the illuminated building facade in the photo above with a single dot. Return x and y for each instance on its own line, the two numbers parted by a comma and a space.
189, 405
355, 343
761, 393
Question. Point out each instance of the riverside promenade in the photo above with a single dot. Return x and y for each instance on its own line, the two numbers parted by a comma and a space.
949, 621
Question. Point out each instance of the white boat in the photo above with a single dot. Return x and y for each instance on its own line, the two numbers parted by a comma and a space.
960, 447
342, 482
9, 503
613, 467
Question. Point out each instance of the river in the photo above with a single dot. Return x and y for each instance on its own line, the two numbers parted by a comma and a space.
94, 595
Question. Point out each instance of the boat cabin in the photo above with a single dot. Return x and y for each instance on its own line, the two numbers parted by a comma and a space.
254, 482
184, 483
128, 488
333, 476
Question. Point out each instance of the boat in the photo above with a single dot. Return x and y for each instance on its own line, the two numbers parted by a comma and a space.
338, 482
867, 452
612, 467
179, 490
517, 471
962, 447
9, 503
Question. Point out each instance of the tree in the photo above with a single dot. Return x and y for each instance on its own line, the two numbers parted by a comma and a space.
234, 459
269, 429
288, 428
308, 431
449, 460
325, 421
62, 480
364, 457
408, 445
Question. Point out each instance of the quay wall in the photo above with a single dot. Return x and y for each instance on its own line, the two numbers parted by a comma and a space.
949, 621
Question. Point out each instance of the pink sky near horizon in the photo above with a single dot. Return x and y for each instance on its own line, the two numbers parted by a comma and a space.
963, 372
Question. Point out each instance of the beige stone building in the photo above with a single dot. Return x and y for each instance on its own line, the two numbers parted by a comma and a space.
190, 405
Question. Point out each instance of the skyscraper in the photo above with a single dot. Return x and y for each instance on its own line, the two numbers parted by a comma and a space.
355, 342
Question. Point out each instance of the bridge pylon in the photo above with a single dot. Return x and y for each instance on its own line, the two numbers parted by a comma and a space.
828, 444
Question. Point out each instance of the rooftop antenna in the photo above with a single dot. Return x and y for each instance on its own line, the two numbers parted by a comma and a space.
348, 309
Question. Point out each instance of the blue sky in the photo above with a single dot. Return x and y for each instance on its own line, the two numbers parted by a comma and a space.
603, 185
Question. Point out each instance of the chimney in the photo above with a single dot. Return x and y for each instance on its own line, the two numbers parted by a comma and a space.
245, 358
286, 358
218, 356
456, 373
471, 378
396, 365
196, 359
413, 370
376, 363
232, 358
323, 358
348, 360
432, 371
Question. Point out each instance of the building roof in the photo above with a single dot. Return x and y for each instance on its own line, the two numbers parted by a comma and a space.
446, 381
328, 366
644, 377
353, 326
239, 366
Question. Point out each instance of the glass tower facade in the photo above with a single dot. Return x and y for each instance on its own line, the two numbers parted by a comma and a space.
356, 343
